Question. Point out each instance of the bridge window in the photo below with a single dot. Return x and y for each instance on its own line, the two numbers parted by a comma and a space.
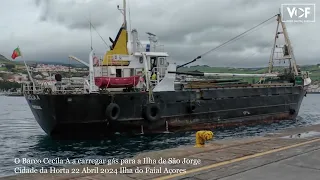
139, 71
161, 60
131, 72
118, 72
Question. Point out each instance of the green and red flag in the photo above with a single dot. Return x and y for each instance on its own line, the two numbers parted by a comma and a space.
16, 53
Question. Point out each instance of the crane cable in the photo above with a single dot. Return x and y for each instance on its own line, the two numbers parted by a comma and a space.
232, 39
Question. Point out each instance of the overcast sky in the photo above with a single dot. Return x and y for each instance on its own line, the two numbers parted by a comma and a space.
50, 30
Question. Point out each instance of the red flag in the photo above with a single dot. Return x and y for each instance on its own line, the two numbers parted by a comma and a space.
16, 53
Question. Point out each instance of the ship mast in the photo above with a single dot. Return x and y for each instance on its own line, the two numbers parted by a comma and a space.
287, 47
124, 12
291, 55
274, 46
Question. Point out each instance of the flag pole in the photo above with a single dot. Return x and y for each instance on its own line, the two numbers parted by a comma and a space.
25, 64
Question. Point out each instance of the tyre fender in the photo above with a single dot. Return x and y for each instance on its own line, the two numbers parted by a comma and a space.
191, 108
292, 111
112, 111
152, 112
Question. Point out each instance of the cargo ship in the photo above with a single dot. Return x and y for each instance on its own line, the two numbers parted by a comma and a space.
142, 92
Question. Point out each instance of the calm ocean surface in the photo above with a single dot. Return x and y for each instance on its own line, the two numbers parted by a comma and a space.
21, 136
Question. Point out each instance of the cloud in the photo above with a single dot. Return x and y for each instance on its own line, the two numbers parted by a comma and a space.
53, 29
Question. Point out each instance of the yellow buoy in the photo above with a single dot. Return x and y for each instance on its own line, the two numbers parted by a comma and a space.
202, 136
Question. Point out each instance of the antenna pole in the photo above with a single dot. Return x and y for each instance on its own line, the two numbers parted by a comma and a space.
129, 16
90, 33
125, 13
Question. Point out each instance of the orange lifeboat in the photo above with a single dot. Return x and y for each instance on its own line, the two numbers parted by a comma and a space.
116, 82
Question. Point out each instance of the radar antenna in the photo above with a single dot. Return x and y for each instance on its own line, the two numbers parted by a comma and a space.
153, 40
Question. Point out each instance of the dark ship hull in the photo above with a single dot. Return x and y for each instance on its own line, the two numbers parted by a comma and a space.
85, 114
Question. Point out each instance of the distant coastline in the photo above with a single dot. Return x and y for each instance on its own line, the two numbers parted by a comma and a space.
13, 73
14, 94
318, 92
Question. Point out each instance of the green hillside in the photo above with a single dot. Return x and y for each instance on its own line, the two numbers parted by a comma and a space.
4, 60
313, 69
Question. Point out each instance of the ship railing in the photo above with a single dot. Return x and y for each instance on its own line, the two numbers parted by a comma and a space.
153, 48
112, 60
73, 80
160, 72
55, 89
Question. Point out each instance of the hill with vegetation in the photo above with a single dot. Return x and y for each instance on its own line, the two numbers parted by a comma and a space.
314, 70
4, 60
8, 64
